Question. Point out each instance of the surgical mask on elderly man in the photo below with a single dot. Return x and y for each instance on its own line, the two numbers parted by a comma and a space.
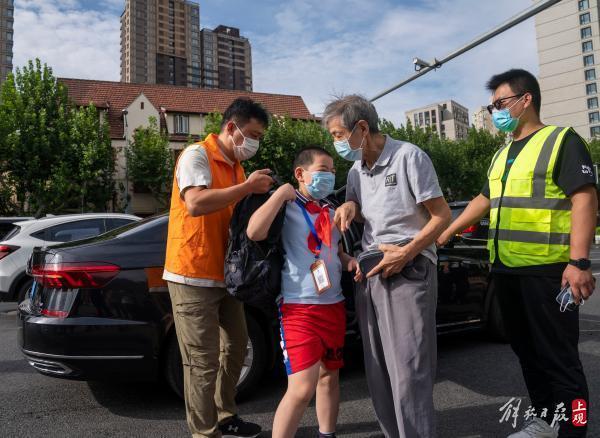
247, 149
345, 151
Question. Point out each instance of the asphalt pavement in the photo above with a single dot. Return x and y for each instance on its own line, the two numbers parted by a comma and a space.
475, 378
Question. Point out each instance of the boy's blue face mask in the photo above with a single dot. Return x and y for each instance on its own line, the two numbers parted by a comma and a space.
321, 185
504, 121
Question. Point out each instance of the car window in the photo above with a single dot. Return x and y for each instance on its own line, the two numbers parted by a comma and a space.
74, 230
456, 211
8, 231
113, 223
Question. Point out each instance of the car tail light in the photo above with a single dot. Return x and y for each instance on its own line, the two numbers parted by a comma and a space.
74, 275
470, 229
55, 313
6, 250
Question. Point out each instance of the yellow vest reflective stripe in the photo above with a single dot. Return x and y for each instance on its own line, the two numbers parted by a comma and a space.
530, 216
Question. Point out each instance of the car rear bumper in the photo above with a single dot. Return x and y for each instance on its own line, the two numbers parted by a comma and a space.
88, 348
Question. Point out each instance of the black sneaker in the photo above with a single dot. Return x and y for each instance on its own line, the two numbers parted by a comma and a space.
235, 427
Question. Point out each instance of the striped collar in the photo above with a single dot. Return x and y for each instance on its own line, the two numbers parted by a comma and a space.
303, 200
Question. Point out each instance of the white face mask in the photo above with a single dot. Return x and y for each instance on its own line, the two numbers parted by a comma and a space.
247, 149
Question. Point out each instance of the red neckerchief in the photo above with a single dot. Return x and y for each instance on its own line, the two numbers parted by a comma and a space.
322, 224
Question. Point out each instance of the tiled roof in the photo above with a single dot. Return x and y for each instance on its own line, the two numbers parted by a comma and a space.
116, 96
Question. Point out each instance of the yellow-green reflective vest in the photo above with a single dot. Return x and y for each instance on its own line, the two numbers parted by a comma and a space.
531, 216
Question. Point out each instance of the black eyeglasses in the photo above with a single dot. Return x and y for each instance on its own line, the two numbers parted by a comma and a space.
499, 103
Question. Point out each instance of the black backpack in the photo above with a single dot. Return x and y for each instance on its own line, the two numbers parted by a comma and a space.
253, 269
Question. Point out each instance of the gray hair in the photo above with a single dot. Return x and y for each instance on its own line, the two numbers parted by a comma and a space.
351, 109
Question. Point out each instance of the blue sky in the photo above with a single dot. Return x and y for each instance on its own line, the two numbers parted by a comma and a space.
312, 48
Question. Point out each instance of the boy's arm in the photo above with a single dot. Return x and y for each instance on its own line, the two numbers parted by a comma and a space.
261, 220
349, 263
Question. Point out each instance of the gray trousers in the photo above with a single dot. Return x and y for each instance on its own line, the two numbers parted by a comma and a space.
397, 324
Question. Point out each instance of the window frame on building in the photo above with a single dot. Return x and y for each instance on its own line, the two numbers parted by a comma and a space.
585, 18
181, 123
592, 103
586, 32
587, 46
588, 57
583, 5
594, 117
591, 89
594, 131
590, 74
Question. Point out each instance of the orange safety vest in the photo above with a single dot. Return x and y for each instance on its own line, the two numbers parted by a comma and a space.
196, 245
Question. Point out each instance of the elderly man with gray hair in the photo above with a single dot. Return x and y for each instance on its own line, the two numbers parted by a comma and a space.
394, 190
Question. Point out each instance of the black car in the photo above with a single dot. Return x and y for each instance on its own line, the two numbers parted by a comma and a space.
99, 308
474, 235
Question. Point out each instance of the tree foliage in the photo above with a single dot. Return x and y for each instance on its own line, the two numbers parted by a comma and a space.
150, 162
54, 157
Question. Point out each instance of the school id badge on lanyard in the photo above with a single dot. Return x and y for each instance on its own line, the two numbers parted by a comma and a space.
318, 269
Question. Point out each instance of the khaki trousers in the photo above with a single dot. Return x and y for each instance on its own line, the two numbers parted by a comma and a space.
212, 335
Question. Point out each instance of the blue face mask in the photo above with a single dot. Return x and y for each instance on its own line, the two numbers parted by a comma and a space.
345, 151
321, 185
504, 121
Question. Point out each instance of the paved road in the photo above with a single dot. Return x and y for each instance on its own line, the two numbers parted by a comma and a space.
475, 378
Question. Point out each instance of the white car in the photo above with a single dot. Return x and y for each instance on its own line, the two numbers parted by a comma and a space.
17, 245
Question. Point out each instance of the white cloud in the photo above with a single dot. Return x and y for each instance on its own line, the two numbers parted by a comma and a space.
73, 41
374, 48
318, 48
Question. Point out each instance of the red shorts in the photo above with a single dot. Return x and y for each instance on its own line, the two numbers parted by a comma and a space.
311, 333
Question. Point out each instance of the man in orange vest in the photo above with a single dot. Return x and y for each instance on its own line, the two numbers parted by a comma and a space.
210, 324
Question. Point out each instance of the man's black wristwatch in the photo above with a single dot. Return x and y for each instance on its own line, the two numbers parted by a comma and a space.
583, 264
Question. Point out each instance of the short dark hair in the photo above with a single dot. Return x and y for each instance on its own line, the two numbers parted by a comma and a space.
520, 81
242, 110
306, 156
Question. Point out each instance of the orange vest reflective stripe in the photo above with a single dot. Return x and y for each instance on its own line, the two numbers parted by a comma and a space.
196, 245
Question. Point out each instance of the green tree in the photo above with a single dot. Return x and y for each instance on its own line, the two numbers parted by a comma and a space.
90, 143
34, 111
55, 157
284, 138
212, 123
150, 162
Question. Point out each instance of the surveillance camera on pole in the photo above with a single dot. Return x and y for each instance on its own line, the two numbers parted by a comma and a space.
420, 64
423, 67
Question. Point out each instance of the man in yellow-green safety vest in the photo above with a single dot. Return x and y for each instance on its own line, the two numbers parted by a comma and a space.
541, 198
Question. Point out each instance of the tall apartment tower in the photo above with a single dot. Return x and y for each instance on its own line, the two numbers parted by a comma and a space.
160, 42
226, 59
6, 37
568, 47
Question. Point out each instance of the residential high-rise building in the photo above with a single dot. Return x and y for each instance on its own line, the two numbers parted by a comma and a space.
482, 119
226, 59
160, 42
448, 119
568, 46
6, 37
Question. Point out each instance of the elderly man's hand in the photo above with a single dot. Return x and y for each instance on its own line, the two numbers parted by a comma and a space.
394, 260
344, 215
